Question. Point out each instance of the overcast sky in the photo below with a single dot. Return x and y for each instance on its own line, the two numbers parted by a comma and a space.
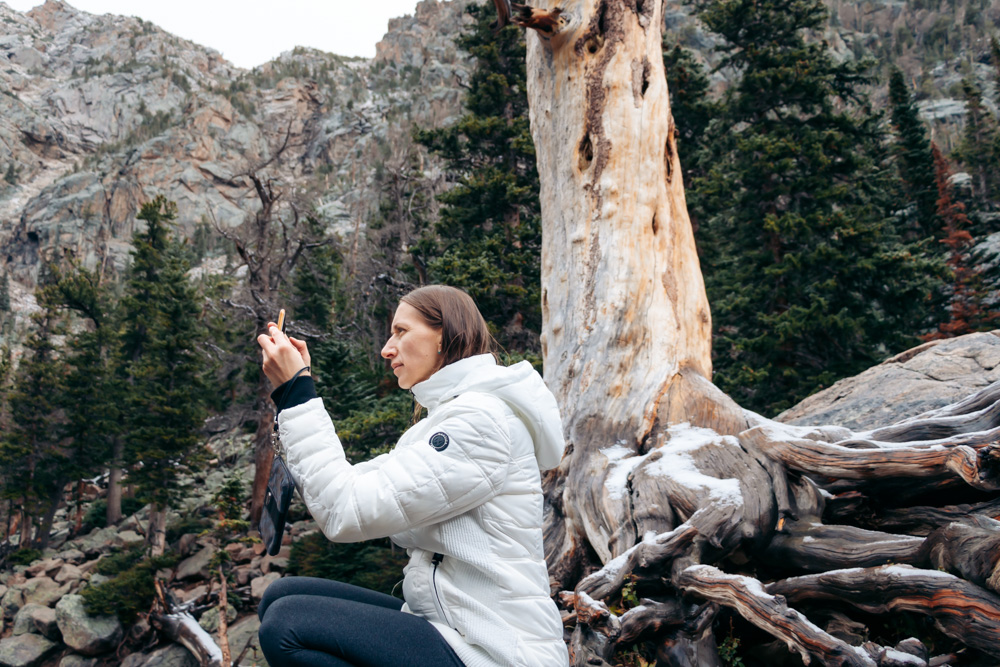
251, 32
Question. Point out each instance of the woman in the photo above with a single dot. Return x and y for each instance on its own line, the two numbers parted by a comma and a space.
461, 491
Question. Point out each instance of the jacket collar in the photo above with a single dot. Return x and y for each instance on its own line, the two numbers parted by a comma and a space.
447, 383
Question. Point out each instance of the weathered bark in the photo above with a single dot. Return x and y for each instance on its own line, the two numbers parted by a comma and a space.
27, 522
768, 612
626, 325
960, 609
156, 536
969, 548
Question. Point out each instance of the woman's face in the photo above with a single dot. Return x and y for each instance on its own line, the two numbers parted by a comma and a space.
413, 347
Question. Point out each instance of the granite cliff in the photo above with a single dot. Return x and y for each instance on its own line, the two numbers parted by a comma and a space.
99, 113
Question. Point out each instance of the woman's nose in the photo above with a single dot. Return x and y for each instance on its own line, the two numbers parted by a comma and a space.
388, 351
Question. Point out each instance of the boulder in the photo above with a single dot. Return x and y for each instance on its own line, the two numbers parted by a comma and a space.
43, 591
924, 378
241, 635
58, 538
128, 538
37, 619
244, 573
90, 565
196, 593
173, 655
11, 601
185, 543
260, 584
210, 619
74, 556
97, 542
25, 650
89, 635
196, 566
73, 660
134, 660
46, 567
277, 562
98, 578
244, 555
68, 573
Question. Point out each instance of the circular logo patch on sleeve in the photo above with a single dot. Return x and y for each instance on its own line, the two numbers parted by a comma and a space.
439, 441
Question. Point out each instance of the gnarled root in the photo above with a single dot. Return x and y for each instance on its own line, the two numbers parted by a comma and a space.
770, 613
960, 609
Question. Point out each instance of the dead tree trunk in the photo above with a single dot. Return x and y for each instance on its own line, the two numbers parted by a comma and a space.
626, 325
269, 243
666, 481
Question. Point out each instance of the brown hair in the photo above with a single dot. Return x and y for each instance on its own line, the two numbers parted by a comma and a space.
463, 330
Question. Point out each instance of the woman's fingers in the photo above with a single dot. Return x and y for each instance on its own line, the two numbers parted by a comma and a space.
282, 357
266, 344
303, 349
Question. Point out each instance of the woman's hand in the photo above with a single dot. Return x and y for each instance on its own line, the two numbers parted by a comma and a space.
283, 355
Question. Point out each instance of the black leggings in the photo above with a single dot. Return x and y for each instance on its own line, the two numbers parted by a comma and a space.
321, 623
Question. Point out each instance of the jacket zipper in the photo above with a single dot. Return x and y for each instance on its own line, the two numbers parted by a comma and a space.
437, 597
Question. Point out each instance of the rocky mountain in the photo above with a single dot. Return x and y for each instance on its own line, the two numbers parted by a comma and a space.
99, 113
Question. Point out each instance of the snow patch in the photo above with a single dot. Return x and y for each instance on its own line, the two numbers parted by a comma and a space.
904, 658
620, 467
910, 571
677, 464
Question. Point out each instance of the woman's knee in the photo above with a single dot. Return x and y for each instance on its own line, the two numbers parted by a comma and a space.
278, 589
277, 626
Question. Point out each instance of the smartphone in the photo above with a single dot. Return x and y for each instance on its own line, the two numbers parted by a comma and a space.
281, 320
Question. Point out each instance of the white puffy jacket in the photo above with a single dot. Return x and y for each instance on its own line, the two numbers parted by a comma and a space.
461, 491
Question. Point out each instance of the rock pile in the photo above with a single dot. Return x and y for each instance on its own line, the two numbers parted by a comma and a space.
44, 620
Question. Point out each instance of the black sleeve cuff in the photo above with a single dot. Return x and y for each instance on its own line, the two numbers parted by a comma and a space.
302, 389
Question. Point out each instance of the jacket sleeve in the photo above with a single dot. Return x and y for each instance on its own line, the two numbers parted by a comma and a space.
413, 485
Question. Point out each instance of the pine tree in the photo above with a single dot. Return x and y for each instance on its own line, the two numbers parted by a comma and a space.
914, 159
977, 150
967, 309
488, 238
807, 280
94, 392
167, 397
33, 460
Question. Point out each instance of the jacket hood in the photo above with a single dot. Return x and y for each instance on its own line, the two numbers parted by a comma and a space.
519, 386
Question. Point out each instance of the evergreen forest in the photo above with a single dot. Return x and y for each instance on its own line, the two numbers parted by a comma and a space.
832, 232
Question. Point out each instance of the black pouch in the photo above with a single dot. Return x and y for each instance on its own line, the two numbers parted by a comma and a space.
277, 498
280, 489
